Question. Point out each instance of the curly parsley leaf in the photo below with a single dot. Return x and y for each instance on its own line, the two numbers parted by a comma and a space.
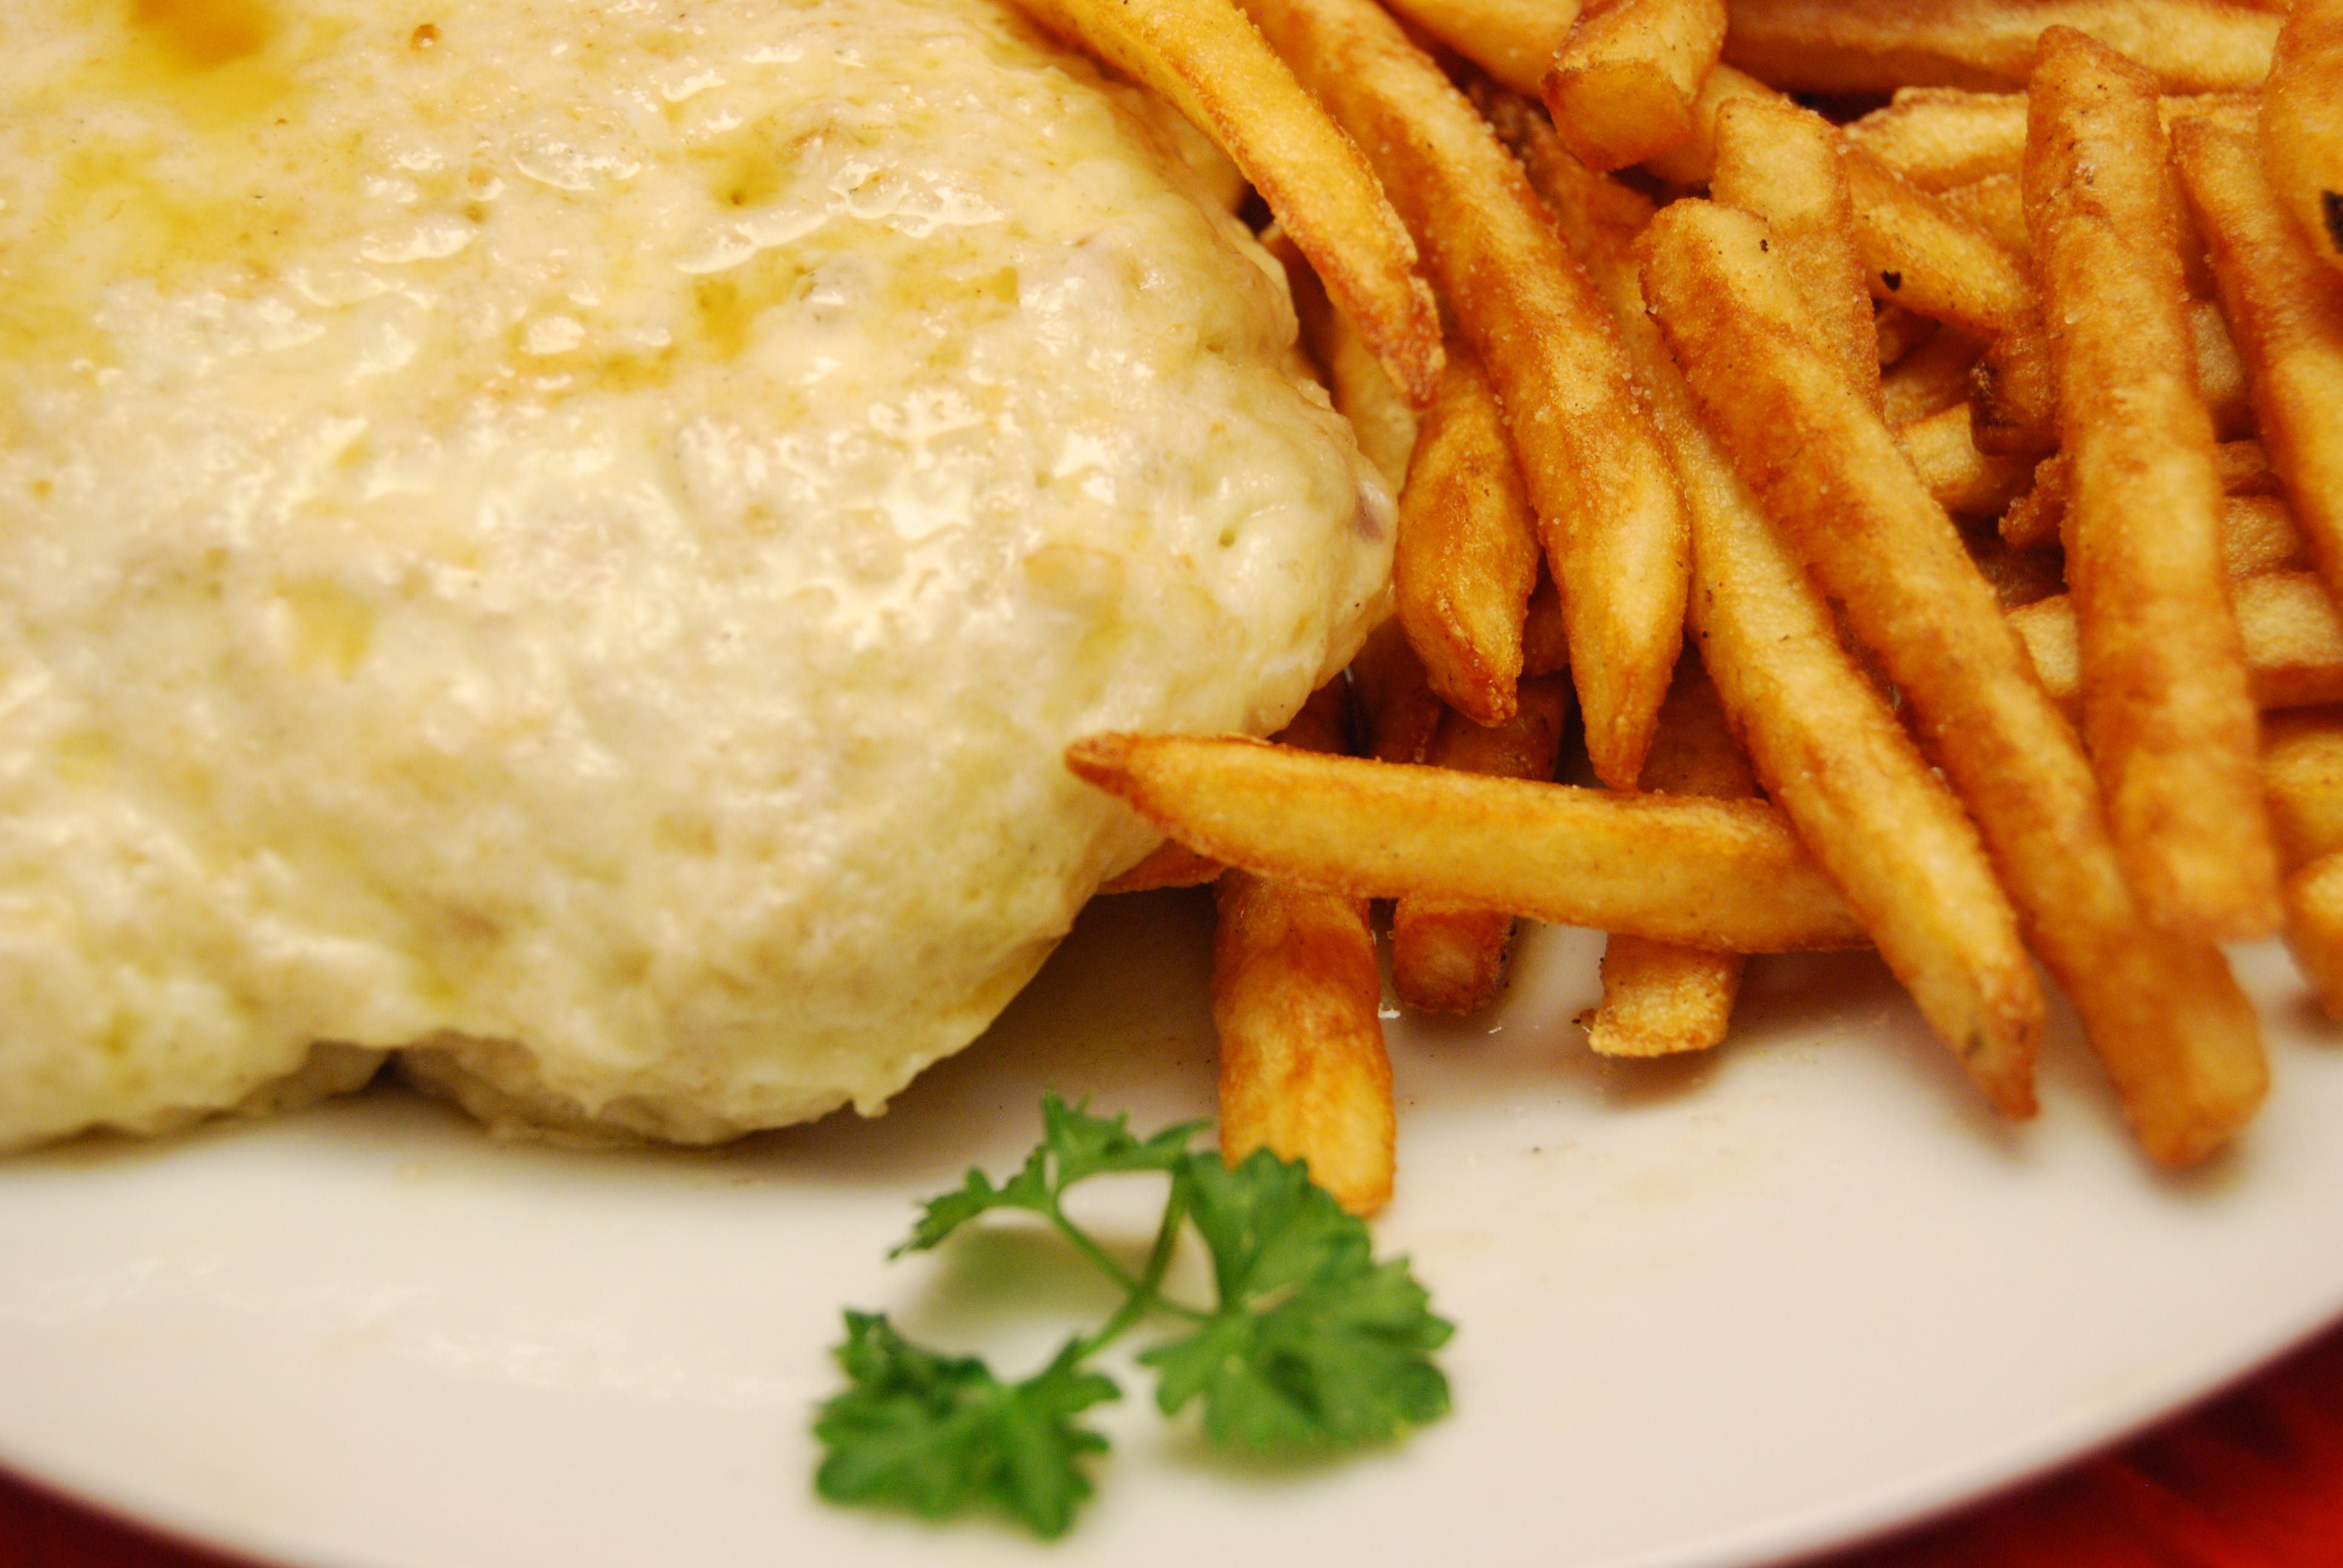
1315, 1345
941, 1435
1075, 1145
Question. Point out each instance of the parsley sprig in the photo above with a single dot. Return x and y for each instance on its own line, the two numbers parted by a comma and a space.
1313, 1347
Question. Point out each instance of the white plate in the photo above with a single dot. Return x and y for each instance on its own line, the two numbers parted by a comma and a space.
1712, 1312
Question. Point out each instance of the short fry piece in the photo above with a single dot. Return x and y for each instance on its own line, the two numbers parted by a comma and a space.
1450, 957
1782, 162
2165, 711
1297, 1005
1623, 87
1513, 40
1832, 46
2287, 315
2314, 928
1962, 478
1611, 515
1362, 390
2015, 401
1402, 711
2302, 771
2292, 632
1689, 162
2034, 519
1658, 999
2302, 124
1203, 56
1918, 254
1169, 864
1930, 379
2178, 1036
1467, 555
1939, 137
1723, 874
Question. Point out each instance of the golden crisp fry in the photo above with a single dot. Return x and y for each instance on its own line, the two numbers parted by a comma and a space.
1467, 555
1880, 45
2286, 312
1659, 999
1962, 478
1362, 390
2302, 767
1395, 697
1624, 85
2302, 124
1513, 40
1169, 864
2314, 928
2166, 715
1782, 163
2179, 1039
1448, 957
1918, 254
1203, 57
1901, 332
1996, 207
1690, 162
2302, 772
2016, 400
1729, 875
2034, 519
1818, 731
1297, 1005
1940, 138
1930, 379
2292, 633
1609, 511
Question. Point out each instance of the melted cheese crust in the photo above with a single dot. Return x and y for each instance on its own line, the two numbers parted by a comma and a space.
574, 537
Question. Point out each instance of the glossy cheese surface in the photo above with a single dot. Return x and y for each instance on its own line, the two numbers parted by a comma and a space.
575, 534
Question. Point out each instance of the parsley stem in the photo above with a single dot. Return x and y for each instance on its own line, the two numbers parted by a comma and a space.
1143, 1297
1093, 1250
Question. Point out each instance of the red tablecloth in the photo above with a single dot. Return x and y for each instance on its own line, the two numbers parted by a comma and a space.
2253, 1480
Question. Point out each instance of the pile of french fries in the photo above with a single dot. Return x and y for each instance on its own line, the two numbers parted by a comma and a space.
1963, 376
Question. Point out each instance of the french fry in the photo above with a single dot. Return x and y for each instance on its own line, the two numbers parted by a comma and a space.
1900, 333
2302, 124
2288, 621
1544, 647
1467, 554
1930, 379
1169, 864
1819, 733
2014, 399
1395, 695
1782, 162
2018, 578
2314, 928
1609, 511
1513, 40
1729, 875
1622, 89
1918, 254
1448, 957
1203, 56
2033, 520
2179, 1039
1297, 1006
1690, 162
1659, 999
2287, 316
1962, 478
1996, 206
2302, 773
2166, 714
1362, 390
1939, 137
2302, 768
1831, 46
